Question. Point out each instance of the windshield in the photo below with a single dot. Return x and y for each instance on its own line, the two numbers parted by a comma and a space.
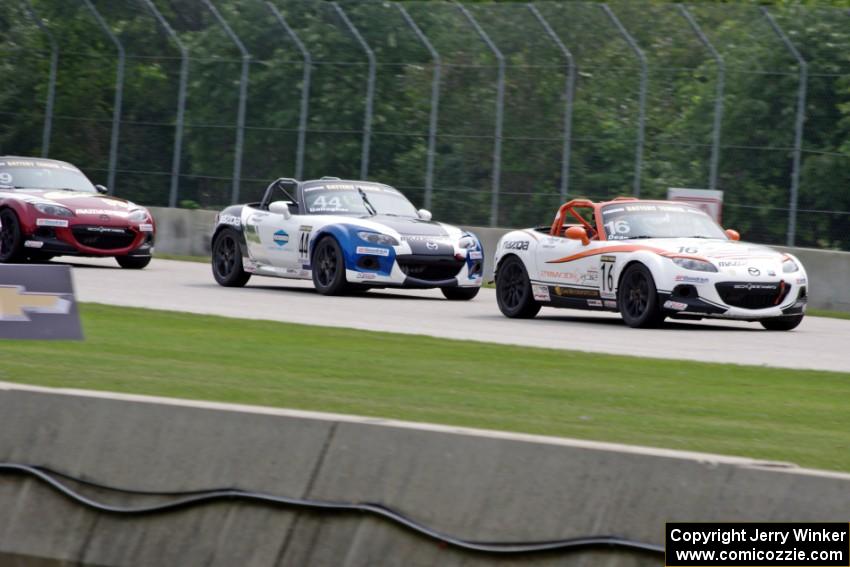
341, 198
657, 220
38, 174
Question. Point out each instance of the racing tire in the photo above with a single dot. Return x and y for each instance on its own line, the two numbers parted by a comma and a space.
459, 293
513, 290
11, 238
133, 262
638, 298
329, 267
782, 323
227, 260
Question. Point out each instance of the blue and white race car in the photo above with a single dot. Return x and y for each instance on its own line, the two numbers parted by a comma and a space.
347, 236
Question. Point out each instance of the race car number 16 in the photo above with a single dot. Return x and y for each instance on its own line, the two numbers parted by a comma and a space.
607, 278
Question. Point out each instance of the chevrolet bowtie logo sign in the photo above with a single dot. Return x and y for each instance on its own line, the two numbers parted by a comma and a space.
16, 303
37, 302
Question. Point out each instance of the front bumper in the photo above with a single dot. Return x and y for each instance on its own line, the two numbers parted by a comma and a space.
417, 270
90, 240
722, 296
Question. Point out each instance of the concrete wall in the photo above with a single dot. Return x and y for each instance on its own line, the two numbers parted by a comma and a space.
469, 483
187, 232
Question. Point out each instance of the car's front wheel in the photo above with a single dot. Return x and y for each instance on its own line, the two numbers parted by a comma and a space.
11, 238
133, 262
329, 267
459, 293
782, 323
513, 290
227, 260
638, 298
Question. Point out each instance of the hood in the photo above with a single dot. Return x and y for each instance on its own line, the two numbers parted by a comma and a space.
411, 226
83, 204
727, 255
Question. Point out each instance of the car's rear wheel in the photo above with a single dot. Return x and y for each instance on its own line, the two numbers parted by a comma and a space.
329, 267
513, 290
11, 238
459, 293
227, 260
133, 262
638, 298
782, 323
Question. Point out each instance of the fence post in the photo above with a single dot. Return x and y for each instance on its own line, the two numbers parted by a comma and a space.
718, 96
435, 104
798, 126
181, 102
568, 93
305, 89
119, 94
243, 97
370, 90
641, 96
51, 82
500, 104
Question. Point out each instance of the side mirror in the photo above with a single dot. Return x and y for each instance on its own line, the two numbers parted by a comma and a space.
733, 234
578, 233
424, 214
280, 208
101, 189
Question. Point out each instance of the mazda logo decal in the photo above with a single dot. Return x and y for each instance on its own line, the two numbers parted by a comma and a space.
431, 245
754, 272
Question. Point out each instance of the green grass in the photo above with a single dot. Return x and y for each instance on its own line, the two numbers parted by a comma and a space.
798, 416
827, 313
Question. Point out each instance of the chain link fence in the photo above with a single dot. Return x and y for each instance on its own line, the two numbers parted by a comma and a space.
486, 113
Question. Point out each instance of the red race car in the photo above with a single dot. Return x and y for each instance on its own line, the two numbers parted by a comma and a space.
50, 208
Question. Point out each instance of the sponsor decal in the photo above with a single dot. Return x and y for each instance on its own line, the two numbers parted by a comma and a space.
594, 303
365, 276
37, 302
608, 259
591, 276
373, 251
475, 255
305, 228
420, 238
751, 286
230, 220
801, 281
105, 230
575, 292
33, 244
145, 227
610, 304
691, 279
248, 265
541, 292
61, 223
732, 263
516, 245
771, 273
431, 245
280, 238
754, 271
675, 305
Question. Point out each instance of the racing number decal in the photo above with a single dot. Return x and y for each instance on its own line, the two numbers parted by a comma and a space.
304, 243
608, 279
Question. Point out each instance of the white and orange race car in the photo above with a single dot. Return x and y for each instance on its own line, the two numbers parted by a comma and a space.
647, 260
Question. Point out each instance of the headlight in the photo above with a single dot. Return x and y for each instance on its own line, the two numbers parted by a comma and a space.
139, 215
691, 264
377, 238
467, 241
55, 210
789, 266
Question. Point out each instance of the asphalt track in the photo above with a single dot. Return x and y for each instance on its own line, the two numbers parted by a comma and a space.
818, 343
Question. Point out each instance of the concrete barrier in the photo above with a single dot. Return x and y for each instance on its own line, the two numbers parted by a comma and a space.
187, 232
474, 484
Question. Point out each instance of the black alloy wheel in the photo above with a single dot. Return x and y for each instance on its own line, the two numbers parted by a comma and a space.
513, 290
227, 260
638, 298
11, 239
329, 267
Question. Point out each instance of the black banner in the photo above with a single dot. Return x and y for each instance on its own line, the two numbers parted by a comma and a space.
757, 544
37, 302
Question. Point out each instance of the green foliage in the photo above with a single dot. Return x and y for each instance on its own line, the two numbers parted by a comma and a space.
759, 103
